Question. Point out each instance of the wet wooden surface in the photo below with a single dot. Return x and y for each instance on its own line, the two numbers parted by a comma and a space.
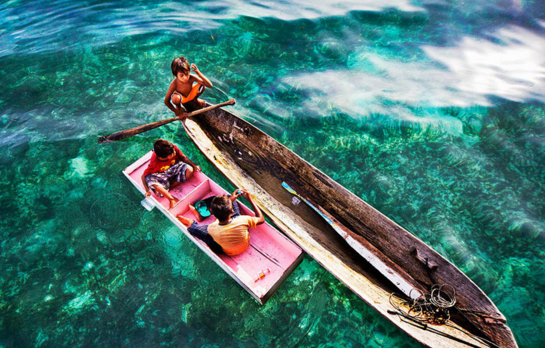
250, 158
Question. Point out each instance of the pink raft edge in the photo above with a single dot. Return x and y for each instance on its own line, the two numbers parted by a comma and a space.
271, 254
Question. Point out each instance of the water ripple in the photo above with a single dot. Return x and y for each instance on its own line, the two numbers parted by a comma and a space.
62, 24
419, 113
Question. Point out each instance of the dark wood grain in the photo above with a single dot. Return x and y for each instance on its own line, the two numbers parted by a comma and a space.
269, 163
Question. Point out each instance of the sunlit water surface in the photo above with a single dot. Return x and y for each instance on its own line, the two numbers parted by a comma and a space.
431, 111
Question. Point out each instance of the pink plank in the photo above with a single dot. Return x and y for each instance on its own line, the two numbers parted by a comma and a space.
191, 196
254, 262
277, 253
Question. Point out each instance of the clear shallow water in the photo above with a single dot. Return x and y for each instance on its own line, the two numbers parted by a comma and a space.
431, 111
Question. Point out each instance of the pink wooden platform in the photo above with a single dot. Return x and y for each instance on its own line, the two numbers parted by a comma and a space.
269, 250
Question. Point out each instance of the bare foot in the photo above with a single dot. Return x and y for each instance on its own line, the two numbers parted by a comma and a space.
195, 213
186, 221
172, 202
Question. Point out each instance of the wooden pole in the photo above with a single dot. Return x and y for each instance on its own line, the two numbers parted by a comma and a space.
146, 127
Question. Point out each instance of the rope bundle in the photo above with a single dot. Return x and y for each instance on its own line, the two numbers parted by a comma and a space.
432, 308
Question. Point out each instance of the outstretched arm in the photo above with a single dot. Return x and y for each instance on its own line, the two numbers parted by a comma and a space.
258, 213
200, 78
186, 159
190, 162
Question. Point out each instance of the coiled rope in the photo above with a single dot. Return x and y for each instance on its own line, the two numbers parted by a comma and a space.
433, 309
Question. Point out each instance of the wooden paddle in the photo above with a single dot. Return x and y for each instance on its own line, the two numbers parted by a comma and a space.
146, 127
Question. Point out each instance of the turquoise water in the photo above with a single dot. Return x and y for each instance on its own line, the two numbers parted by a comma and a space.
432, 111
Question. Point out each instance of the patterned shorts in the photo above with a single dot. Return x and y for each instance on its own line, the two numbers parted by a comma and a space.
174, 173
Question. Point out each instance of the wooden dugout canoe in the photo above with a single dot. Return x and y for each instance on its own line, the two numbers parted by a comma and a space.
371, 254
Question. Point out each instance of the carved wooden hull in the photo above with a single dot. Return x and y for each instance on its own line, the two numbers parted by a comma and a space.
250, 158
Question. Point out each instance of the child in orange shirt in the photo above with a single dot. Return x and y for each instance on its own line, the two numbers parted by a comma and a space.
185, 88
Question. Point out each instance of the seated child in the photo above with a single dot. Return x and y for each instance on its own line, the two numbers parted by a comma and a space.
185, 89
229, 233
167, 168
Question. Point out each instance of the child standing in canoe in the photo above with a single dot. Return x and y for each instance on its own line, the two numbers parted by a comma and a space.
167, 168
185, 88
